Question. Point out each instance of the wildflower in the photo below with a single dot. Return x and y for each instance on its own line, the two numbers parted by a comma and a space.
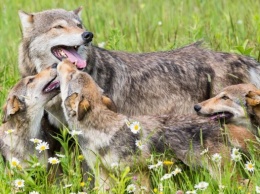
236, 155
82, 184
89, 179
167, 163
114, 165
53, 160
34, 192
80, 157
131, 188
239, 22
159, 23
101, 44
82, 192
155, 190
201, 186
139, 144
191, 192
176, 171
128, 123
60, 155
19, 183
166, 176
75, 132
14, 162
9, 131
67, 186
257, 189
250, 166
143, 188
36, 164
160, 187
35, 140
160, 163
204, 151
216, 158
42, 146
135, 127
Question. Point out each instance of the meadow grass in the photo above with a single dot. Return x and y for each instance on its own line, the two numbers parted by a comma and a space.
137, 26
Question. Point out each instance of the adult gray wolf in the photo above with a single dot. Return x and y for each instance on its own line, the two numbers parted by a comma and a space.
145, 83
106, 135
238, 104
23, 113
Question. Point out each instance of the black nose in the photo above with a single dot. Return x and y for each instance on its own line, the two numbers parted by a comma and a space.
197, 108
87, 37
54, 65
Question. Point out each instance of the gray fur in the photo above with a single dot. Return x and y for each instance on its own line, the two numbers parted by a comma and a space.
146, 83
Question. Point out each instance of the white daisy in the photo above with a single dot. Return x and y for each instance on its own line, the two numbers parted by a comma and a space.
19, 183
216, 158
135, 127
257, 189
166, 176
60, 155
204, 151
34, 192
114, 165
202, 185
236, 155
75, 132
35, 140
101, 44
9, 131
14, 162
67, 186
42, 146
250, 166
139, 144
53, 160
131, 188
176, 171
159, 163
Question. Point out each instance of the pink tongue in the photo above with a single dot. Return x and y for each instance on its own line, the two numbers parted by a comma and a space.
73, 56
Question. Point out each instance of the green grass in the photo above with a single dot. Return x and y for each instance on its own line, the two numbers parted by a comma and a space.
138, 26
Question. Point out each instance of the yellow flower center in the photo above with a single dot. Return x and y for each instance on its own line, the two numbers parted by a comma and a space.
42, 148
136, 127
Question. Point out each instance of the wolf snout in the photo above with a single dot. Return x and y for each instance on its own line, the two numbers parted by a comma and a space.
197, 108
87, 37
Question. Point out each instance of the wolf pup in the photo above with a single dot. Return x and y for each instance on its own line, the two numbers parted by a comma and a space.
154, 83
237, 104
106, 134
23, 113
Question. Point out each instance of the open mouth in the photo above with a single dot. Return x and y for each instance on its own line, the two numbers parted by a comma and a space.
69, 52
221, 116
52, 85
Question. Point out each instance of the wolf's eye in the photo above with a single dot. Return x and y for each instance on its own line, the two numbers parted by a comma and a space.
225, 97
30, 80
58, 26
80, 26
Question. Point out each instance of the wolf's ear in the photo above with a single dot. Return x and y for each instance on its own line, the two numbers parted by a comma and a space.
78, 11
26, 20
83, 108
109, 103
253, 98
70, 104
13, 105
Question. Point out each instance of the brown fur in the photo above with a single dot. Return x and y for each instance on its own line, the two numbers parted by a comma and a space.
23, 112
106, 135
